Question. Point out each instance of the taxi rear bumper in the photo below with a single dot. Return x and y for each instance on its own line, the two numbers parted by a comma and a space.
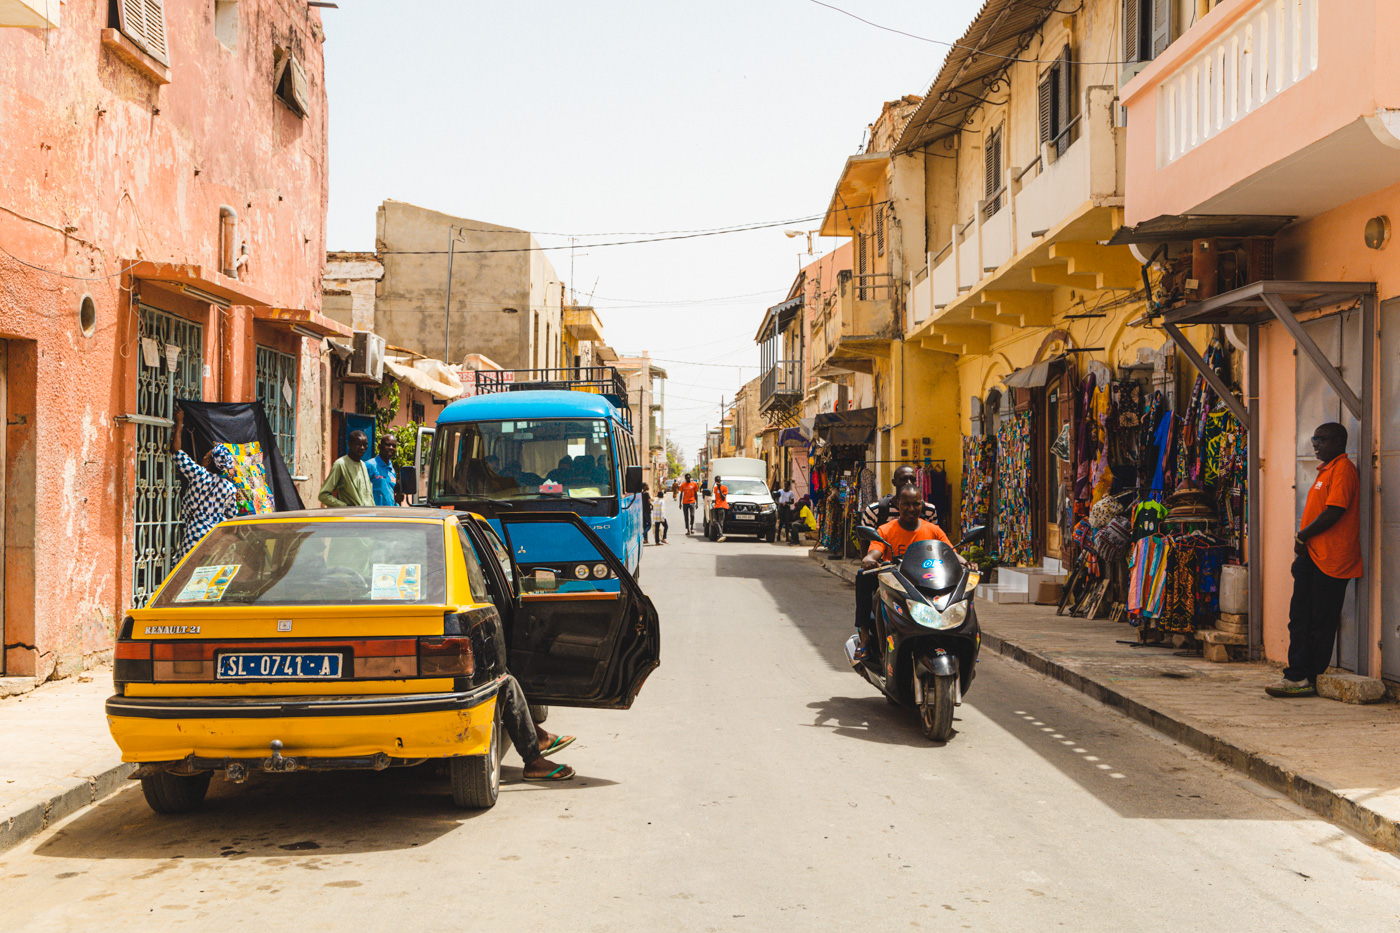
313, 732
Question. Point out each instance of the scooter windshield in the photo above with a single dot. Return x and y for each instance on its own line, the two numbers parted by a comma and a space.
931, 565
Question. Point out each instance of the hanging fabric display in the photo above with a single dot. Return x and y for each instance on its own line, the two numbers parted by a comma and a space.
1014, 512
252, 496
979, 454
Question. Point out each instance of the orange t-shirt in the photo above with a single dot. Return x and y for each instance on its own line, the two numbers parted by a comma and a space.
721, 496
1336, 551
688, 491
900, 537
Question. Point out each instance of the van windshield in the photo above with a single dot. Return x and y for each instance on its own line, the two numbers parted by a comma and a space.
526, 461
745, 487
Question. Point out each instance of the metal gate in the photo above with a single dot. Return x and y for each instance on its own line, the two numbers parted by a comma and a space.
157, 497
277, 390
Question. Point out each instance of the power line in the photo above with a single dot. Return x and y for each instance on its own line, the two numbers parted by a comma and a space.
656, 239
958, 45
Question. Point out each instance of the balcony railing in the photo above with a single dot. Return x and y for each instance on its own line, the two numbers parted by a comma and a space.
1268, 51
782, 380
861, 308
1034, 200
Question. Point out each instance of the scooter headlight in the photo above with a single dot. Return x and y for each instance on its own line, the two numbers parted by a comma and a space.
929, 617
973, 579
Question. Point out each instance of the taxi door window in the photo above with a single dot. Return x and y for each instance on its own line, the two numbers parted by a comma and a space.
475, 577
501, 554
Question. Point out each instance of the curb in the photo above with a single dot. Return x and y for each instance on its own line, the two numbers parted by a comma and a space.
43, 810
1313, 793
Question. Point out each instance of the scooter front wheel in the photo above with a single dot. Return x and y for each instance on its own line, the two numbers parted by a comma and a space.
936, 706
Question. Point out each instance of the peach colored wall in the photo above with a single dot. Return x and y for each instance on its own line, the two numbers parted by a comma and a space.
1358, 72
1277, 423
101, 167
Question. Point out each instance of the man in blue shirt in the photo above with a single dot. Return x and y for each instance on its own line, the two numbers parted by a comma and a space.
383, 477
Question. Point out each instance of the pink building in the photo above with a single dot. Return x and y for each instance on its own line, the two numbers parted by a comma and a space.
162, 227
1285, 115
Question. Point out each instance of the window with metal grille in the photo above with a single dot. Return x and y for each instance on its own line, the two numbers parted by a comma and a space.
416, 412
879, 231
143, 22
156, 500
992, 173
277, 390
1059, 124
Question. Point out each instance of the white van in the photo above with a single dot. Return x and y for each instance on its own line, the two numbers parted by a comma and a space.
751, 507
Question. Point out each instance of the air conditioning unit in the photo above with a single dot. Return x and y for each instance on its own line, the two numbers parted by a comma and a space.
366, 358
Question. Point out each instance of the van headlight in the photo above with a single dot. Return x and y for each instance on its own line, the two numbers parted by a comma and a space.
929, 617
768, 509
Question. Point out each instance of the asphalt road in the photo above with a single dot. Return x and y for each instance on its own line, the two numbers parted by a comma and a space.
757, 784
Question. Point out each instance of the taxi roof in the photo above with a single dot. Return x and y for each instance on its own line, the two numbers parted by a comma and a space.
402, 513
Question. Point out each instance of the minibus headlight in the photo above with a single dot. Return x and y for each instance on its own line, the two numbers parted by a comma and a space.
600, 571
581, 572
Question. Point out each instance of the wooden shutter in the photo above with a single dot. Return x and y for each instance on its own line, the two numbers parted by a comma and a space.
992, 172
1066, 108
1132, 30
1162, 11
1047, 106
143, 22
879, 231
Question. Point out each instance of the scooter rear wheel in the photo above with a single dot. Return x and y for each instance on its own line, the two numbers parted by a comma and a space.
936, 707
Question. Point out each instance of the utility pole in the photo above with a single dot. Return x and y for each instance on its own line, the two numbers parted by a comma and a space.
447, 317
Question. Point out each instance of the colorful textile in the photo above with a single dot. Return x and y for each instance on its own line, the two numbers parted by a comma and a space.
1015, 517
978, 474
252, 494
206, 500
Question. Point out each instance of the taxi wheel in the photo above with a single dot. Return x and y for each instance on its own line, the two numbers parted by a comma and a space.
539, 712
476, 779
175, 793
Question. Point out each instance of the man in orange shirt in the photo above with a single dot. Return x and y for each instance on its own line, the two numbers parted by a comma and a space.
720, 507
688, 491
1329, 557
900, 533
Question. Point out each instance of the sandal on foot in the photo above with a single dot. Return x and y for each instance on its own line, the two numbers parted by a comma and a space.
561, 773
560, 743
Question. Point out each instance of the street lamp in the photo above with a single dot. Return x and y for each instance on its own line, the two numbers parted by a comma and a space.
807, 233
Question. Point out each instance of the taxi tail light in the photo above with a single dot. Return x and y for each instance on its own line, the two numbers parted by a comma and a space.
445, 656
131, 663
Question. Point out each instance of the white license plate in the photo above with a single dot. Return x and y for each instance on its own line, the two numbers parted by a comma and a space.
266, 666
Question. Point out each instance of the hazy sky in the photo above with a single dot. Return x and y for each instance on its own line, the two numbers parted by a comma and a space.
612, 117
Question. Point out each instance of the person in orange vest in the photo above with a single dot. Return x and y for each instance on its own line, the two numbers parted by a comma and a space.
721, 506
688, 492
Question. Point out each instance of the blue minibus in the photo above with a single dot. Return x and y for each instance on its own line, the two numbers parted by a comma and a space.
517, 448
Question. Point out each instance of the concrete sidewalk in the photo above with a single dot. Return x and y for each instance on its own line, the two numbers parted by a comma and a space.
59, 756
1341, 761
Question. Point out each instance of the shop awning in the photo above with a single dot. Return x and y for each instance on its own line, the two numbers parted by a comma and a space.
793, 437
1032, 377
302, 321
846, 427
1170, 228
431, 376
200, 283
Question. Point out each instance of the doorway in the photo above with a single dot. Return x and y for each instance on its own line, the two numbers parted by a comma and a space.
1340, 338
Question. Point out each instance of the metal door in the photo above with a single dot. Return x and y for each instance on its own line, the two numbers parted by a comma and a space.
277, 390
1388, 560
1339, 337
157, 496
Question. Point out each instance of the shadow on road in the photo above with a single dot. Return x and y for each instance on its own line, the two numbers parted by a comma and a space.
293, 815
871, 719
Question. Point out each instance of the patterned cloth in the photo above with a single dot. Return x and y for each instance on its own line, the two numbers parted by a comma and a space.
249, 476
208, 498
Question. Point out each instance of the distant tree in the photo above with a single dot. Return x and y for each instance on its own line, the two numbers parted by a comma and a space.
675, 460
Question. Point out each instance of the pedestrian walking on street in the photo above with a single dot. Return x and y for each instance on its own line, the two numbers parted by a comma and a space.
689, 490
1328, 546
720, 509
646, 512
786, 500
383, 477
879, 512
659, 524
208, 496
347, 486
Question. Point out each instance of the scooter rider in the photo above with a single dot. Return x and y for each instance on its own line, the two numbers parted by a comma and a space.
900, 533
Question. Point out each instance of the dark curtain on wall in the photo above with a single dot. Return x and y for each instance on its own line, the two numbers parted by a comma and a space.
213, 423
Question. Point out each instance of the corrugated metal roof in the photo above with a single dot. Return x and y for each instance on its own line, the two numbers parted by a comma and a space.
998, 35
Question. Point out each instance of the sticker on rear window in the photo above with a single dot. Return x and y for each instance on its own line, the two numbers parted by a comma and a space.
395, 581
207, 584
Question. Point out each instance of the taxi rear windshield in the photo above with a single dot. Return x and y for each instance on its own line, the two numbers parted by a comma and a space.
310, 563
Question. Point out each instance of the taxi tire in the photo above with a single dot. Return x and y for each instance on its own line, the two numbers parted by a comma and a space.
476, 779
539, 712
175, 793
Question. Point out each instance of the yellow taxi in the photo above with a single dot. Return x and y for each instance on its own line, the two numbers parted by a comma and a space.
362, 639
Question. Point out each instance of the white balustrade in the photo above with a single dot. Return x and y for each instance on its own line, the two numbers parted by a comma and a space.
1266, 52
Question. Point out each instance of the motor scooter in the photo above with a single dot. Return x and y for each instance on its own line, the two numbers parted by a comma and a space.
925, 636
